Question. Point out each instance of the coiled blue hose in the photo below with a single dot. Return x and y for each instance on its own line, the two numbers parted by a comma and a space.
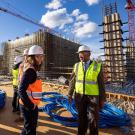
67, 121
2, 98
110, 116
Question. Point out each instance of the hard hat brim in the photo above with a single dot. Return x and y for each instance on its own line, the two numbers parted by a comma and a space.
83, 51
36, 54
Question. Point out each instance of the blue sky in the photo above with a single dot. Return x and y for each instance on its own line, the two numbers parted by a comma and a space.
78, 19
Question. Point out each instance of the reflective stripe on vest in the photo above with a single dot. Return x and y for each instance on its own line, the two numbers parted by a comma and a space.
86, 82
33, 92
35, 95
89, 79
15, 76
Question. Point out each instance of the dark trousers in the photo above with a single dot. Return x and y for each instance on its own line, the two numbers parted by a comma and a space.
30, 120
87, 114
15, 101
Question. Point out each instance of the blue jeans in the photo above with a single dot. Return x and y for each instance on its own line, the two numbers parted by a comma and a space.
30, 120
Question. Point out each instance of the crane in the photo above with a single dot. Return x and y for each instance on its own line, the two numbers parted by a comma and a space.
24, 18
130, 7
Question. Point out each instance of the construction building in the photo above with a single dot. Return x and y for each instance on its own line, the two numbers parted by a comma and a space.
60, 53
113, 49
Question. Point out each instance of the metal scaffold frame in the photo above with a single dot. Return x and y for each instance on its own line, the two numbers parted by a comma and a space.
56, 50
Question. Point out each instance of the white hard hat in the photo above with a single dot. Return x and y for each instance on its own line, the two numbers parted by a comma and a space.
25, 52
35, 50
18, 59
83, 48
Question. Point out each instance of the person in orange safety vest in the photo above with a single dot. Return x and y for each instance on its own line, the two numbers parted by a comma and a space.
30, 90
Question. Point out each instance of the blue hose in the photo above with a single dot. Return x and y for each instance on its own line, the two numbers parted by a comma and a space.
67, 121
2, 98
110, 116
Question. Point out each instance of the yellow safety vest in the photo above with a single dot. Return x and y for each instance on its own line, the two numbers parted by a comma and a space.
15, 76
86, 82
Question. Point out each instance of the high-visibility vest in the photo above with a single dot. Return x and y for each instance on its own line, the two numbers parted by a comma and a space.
86, 82
34, 92
15, 76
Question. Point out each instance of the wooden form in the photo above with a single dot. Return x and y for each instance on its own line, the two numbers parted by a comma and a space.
114, 63
120, 96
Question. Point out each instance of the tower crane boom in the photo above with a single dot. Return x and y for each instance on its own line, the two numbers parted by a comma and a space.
22, 17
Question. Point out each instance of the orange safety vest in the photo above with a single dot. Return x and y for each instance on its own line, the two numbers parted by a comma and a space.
34, 92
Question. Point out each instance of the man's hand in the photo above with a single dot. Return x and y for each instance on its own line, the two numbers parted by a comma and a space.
70, 98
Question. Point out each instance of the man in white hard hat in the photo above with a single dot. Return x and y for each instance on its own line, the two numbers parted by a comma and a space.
15, 70
87, 83
30, 90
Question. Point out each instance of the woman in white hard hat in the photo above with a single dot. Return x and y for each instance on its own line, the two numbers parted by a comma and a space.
15, 103
30, 90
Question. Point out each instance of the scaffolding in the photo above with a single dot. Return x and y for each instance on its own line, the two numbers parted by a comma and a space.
112, 37
130, 61
60, 53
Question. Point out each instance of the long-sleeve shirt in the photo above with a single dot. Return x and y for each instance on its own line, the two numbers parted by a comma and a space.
29, 77
100, 85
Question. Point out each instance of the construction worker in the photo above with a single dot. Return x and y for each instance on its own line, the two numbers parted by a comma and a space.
87, 82
23, 65
22, 68
30, 90
15, 103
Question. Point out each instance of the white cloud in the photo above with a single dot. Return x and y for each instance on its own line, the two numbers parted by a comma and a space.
54, 4
57, 18
75, 12
82, 17
79, 24
91, 2
85, 30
